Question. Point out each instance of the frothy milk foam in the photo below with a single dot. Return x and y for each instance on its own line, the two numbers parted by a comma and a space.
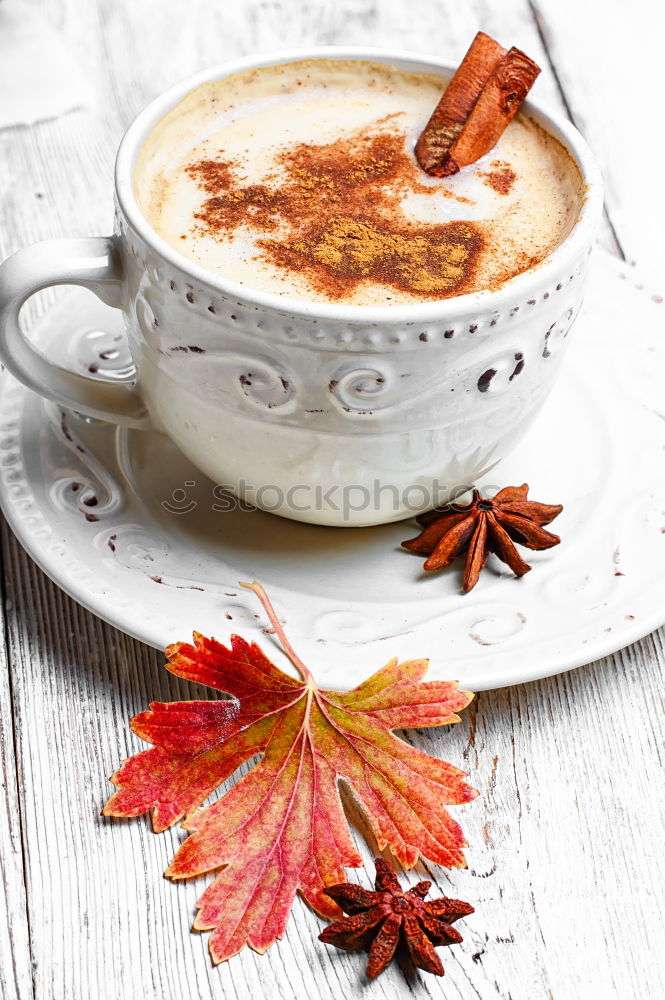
300, 180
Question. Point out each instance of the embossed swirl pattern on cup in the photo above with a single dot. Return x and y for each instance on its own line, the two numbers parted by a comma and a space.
498, 376
493, 382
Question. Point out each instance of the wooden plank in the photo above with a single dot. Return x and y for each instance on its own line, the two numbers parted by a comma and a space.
15, 960
609, 64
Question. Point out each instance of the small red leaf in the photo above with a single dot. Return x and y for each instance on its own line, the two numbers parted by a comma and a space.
281, 828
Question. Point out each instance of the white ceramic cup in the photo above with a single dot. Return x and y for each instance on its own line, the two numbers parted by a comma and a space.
334, 414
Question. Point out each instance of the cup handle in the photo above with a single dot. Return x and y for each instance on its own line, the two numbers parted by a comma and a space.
94, 263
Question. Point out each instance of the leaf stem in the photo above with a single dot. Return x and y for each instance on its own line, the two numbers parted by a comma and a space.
257, 589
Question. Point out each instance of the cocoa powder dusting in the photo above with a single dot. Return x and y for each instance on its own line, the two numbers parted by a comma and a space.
500, 177
212, 175
433, 261
335, 213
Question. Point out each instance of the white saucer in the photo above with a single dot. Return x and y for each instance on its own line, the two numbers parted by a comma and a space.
90, 503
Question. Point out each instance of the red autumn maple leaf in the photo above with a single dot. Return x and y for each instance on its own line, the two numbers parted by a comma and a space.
281, 828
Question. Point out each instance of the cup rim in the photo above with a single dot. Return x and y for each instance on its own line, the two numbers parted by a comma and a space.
521, 285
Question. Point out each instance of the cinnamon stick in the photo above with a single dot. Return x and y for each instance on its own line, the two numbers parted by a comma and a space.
481, 99
456, 104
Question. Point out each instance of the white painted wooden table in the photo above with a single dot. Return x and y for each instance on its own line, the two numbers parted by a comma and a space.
566, 858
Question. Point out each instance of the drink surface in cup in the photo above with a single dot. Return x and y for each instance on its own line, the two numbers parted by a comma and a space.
300, 179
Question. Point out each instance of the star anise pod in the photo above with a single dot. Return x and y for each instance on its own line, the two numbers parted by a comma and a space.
483, 526
388, 917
